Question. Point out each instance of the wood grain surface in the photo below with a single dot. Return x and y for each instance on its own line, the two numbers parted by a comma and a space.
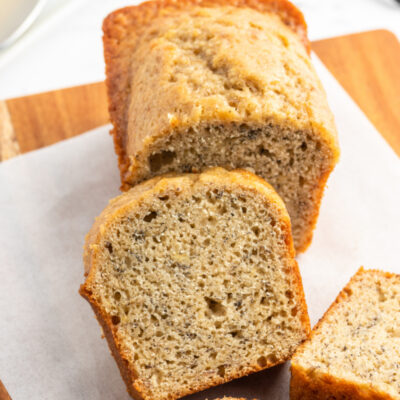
46, 118
366, 64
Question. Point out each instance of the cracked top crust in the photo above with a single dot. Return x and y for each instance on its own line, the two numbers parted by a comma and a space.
174, 64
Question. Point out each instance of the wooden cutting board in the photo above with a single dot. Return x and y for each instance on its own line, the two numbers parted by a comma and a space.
366, 64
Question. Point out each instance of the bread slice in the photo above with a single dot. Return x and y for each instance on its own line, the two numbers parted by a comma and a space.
354, 351
199, 83
194, 281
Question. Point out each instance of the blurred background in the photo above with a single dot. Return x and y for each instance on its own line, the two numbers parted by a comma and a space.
62, 46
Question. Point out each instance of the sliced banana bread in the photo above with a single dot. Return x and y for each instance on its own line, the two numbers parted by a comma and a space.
354, 351
199, 83
194, 281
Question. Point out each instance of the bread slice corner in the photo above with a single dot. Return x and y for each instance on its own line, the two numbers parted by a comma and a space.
354, 350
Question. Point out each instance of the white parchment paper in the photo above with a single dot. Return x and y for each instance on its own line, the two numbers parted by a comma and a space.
50, 344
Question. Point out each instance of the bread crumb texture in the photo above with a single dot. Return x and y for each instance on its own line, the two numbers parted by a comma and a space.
194, 282
213, 83
354, 351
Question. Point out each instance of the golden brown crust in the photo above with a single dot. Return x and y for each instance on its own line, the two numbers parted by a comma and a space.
125, 25
128, 200
322, 386
106, 326
327, 387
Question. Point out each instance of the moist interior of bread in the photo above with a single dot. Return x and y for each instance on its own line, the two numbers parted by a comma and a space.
293, 162
199, 288
360, 340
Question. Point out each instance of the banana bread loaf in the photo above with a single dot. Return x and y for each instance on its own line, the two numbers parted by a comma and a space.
194, 281
198, 83
354, 351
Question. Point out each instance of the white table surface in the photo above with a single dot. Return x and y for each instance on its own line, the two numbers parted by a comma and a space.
63, 48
